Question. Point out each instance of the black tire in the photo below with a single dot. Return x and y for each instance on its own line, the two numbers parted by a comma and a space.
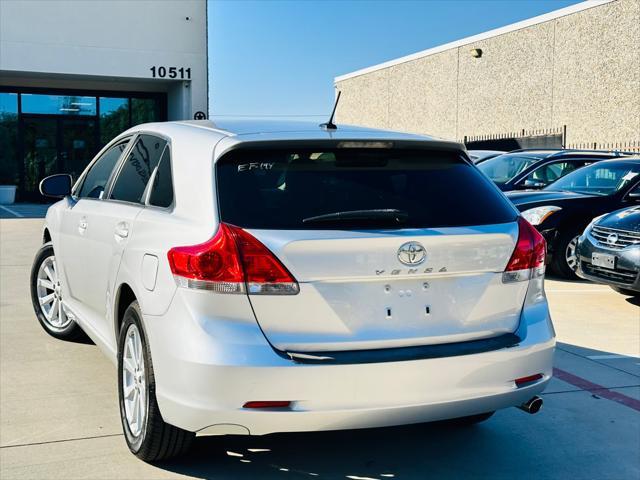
468, 421
72, 331
560, 265
625, 291
157, 440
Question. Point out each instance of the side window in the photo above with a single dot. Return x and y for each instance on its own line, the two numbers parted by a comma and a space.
99, 173
549, 173
162, 188
137, 168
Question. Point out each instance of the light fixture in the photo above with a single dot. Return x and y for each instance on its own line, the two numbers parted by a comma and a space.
476, 52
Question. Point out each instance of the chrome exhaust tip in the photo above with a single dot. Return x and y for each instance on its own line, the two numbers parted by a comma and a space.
533, 405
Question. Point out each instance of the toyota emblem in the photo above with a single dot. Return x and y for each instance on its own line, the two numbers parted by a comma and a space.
412, 253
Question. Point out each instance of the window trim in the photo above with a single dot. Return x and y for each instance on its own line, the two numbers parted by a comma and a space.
171, 207
626, 196
116, 141
118, 169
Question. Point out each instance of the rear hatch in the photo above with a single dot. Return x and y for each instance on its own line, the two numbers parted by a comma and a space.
390, 247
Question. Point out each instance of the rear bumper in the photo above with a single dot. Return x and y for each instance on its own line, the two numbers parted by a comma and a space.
203, 382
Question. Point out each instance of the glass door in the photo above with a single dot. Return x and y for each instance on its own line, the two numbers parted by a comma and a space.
55, 145
77, 144
40, 153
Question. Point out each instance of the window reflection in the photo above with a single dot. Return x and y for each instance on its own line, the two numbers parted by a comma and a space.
9, 165
114, 117
143, 110
58, 104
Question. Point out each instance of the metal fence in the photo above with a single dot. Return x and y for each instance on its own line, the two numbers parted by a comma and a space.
632, 146
537, 138
542, 138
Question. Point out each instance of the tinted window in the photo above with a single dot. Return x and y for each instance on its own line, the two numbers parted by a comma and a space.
97, 176
279, 189
602, 178
550, 173
162, 189
503, 168
137, 168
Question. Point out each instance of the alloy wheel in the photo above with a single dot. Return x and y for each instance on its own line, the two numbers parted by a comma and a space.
570, 254
49, 295
134, 385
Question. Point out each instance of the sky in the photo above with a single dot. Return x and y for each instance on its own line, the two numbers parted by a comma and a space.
279, 58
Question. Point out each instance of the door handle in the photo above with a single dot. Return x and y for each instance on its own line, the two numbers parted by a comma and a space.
122, 231
82, 225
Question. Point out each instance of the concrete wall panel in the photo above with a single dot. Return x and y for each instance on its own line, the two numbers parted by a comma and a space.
56, 40
597, 73
365, 101
580, 69
509, 87
423, 93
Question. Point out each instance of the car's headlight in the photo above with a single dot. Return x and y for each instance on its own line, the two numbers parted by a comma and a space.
593, 222
535, 216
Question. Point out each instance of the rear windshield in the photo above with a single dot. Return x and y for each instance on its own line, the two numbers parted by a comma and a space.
271, 189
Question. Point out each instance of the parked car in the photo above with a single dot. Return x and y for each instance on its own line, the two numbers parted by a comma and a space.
562, 210
478, 156
535, 169
609, 250
247, 281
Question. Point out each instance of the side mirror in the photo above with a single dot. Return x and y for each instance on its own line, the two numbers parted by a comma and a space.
634, 197
56, 186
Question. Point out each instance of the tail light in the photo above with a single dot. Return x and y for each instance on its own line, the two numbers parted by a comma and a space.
233, 261
527, 260
523, 381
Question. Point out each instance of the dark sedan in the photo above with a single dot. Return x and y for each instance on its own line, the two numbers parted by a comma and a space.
535, 169
609, 251
562, 210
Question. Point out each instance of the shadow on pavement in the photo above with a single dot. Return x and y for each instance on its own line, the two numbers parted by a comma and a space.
415, 451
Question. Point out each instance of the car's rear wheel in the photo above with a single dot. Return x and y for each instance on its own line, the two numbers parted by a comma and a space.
625, 291
565, 259
148, 436
46, 296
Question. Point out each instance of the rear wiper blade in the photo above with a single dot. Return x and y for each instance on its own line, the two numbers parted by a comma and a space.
389, 214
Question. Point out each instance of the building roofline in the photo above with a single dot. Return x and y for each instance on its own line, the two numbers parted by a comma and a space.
578, 7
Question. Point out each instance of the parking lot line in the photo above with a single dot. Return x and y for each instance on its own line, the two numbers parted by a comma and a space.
596, 389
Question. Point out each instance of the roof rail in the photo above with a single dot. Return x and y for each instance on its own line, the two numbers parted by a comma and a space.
559, 152
531, 150
615, 153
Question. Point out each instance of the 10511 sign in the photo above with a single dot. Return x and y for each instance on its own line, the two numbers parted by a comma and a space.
171, 72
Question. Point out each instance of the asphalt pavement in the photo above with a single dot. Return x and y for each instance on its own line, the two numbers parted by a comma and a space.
59, 414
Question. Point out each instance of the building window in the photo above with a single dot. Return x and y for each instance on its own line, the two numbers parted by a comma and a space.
58, 104
144, 110
114, 118
9, 164
47, 132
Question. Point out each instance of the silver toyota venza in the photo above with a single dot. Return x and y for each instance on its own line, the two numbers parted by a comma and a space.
250, 278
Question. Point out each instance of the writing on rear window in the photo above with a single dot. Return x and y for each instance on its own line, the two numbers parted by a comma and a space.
245, 167
355, 188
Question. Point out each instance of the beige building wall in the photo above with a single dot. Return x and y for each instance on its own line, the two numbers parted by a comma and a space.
581, 70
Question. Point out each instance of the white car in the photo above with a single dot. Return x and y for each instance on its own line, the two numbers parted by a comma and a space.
250, 278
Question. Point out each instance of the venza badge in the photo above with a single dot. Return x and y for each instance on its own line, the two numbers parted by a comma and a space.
412, 253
